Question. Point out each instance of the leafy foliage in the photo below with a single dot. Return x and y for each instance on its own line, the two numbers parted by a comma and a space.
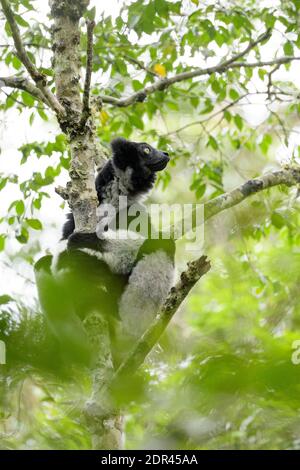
224, 377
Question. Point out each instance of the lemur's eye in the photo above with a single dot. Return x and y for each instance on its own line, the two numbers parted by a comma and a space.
147, 150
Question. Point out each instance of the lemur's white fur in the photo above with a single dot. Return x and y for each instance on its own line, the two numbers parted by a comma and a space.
148, 284
119, 255
147, 289
121, 185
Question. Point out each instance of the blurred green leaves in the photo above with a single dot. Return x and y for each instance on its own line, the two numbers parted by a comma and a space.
224, 377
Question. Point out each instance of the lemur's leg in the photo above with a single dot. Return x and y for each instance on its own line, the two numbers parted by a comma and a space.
56, 299
148, 285
79, 240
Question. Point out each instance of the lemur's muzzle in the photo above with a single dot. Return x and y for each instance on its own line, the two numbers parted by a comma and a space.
160, 162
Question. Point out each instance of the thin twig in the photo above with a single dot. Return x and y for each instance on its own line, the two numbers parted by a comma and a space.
140, 65
200, 122
270, 83
21, 103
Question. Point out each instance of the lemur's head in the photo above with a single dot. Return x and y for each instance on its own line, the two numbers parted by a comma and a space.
141, 157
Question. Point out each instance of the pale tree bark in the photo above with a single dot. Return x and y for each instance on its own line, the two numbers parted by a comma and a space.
103, 420
82, 196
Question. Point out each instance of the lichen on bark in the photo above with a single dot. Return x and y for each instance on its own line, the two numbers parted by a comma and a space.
82, 196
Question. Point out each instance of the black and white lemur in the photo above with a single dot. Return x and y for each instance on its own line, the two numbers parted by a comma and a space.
124, 279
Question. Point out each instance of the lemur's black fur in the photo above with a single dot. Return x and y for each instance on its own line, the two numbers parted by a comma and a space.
130, 172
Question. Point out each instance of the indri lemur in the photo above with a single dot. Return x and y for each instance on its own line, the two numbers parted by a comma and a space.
122, 278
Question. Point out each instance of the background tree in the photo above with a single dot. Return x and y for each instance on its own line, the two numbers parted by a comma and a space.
177, 74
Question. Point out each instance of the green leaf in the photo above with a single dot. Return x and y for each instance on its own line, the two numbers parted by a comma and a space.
31, 118
288, 49
7, 29
5, 299
20, 207
200, 190
227, 115
213, 143
17, 64
239, 122
265, 143
208, 107
91, 14
2, 242
215, 86
194, 101
42, 114
21, 22
27, 99
3, 182
23, 237
136, 121
34, 223
278, 220
262, 73
234, 95
136, 85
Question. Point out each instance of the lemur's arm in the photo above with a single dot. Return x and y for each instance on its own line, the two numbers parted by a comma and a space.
105, 175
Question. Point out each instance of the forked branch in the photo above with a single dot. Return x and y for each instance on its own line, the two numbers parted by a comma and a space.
24, 84
222, 67
38, 77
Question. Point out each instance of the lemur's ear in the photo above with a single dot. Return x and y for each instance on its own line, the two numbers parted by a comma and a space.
123, 153
120, 145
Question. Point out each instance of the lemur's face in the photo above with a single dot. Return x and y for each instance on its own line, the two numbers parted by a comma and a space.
151, 158
138, 156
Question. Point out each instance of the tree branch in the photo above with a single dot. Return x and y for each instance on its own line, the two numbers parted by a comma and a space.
62, 192
24, 84
196, 269
165, 83
102, 419
88, 74
28, 44
222, 67
287, 177
38, 77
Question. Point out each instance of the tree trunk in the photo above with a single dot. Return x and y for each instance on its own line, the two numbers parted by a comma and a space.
103, 420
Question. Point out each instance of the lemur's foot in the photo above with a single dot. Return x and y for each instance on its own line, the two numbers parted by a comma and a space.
84, 240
